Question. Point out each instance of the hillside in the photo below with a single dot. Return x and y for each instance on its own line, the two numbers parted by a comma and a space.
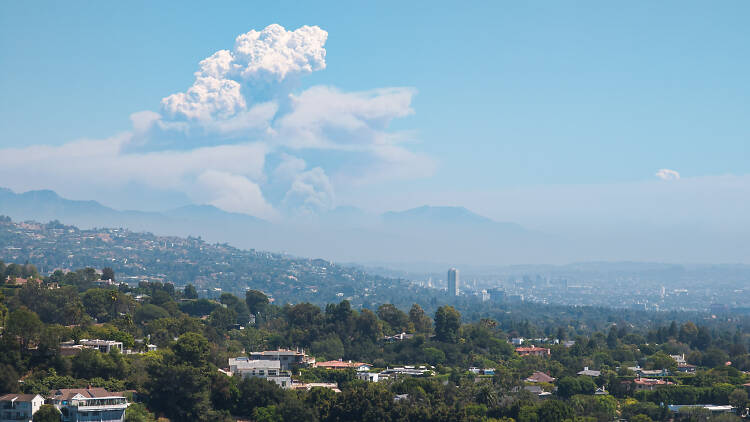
444, 236
137, 256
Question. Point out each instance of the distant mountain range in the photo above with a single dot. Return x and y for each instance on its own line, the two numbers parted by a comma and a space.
431, 234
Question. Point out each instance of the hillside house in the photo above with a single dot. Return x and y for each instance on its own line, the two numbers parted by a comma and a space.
19, 407
89, 404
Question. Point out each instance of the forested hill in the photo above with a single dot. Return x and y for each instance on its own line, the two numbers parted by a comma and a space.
143, 256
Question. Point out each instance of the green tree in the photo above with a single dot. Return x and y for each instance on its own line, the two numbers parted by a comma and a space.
738, 399
237, 306
419, 319
150, 312
586, 385
568, 387
47, 413
8, 379
108, 273
447, 324
221, 318
555, 411
25, 326
528, 413
396, 319
137, 412
192, 349
256, 301
190, 292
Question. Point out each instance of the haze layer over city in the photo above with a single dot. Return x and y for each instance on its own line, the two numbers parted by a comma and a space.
386, 211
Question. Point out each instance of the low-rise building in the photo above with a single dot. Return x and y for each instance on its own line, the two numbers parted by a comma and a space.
482, 371
533, 351
89, 404
679, 358
19, 407
368, 376
339, 364
266, 369
409, 371
307, 386
686, 368
713, 408
397, 337
69, 348
540, 377
287, 358
650, 384
589, 372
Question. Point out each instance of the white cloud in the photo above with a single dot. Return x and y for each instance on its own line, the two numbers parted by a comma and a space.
667, 174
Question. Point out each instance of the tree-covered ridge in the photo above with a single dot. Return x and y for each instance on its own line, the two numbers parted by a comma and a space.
196, 336
137, 257
144, 256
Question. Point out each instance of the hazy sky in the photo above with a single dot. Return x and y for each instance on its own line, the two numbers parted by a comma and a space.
543, 113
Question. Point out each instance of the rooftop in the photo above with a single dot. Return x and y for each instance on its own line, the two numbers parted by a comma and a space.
18, 397
91, 393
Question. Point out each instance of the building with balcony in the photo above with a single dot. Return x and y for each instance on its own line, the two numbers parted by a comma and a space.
287, 358
266, 369
19, 407
70, 348
89, 404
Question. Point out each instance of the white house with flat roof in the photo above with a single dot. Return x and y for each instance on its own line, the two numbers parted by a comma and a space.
266, 369
287, 358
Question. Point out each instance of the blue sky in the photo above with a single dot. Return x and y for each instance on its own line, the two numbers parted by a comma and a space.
510, 96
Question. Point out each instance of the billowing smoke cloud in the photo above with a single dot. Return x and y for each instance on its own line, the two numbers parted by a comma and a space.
257, 61
311, 192
667, 174
211, 142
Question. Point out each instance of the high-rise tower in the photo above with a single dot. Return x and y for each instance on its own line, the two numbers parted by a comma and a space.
453, 282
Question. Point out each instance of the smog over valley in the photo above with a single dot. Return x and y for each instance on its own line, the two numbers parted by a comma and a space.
329, 212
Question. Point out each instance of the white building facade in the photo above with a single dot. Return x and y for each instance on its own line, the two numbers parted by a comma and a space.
19, 407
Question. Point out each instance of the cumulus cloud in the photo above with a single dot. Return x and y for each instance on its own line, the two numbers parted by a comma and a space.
667, 174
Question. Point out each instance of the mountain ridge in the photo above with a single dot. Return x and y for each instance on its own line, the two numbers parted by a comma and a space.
436, 233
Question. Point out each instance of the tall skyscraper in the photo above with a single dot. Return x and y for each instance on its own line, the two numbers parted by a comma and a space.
453, 282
